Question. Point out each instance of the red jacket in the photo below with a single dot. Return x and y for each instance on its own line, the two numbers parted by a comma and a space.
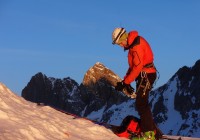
138, 56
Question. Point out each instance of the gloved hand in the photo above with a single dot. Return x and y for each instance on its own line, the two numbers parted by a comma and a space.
121, 85
126, 89
130, 89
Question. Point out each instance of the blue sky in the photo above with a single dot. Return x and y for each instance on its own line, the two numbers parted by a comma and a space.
64, 38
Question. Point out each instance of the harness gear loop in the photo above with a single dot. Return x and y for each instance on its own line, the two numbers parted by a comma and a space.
143, 74
144, 83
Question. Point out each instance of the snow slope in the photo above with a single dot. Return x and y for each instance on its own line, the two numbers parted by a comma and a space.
20, 119
172, 121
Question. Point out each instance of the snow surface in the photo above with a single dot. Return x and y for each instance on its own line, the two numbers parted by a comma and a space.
23, 120
173, 115
119, 112
179, 138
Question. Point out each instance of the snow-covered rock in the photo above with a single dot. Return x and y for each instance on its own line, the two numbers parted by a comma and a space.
176, 104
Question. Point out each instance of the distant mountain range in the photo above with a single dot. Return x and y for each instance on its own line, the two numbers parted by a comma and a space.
175, 105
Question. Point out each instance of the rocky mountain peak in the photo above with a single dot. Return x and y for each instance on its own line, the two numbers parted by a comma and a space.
187, 97
55, 92
99, 72
98, 83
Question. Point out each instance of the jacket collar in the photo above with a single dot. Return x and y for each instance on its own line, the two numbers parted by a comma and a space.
132, 40
135, 42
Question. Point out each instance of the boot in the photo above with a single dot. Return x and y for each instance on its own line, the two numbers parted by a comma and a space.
150, 135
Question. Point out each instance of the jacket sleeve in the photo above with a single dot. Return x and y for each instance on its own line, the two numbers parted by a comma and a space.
127, 73
136, 68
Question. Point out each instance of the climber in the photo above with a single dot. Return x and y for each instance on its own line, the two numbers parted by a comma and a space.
142, 71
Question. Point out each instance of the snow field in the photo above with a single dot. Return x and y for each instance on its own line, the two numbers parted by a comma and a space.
21, 119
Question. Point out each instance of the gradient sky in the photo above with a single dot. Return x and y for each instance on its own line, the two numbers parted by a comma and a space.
64, 38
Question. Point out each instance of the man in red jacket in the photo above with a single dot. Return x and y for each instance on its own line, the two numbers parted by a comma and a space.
142, 70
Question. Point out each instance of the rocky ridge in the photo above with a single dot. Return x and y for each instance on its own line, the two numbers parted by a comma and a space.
175, 105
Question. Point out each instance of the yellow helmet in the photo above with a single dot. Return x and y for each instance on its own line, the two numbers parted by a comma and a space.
117, 33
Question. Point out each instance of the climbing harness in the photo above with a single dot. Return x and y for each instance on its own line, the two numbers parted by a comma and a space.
144, 83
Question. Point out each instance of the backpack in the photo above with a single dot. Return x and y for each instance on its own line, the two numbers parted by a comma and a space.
128, 128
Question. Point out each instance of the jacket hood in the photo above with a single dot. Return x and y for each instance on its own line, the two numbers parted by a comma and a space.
131, 36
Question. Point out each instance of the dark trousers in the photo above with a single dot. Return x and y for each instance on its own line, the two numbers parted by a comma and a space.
142, 102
